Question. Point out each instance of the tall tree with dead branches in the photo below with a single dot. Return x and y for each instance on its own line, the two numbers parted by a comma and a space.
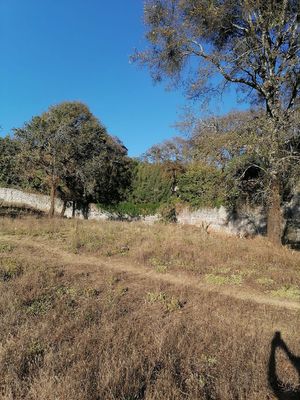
250, 43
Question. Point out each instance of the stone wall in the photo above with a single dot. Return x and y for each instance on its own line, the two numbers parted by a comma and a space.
243, 223
292, 216
40, 202
18, 197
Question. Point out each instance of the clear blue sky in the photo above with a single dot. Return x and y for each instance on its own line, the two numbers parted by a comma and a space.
56, 50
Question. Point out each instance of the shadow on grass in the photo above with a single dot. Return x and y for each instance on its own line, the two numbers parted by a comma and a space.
282, 390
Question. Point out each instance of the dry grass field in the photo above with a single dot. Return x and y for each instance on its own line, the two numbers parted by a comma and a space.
120, 311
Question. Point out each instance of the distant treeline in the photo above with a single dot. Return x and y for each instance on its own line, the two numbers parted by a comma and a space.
67, 152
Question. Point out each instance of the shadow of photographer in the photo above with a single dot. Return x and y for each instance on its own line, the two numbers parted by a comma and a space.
281, 390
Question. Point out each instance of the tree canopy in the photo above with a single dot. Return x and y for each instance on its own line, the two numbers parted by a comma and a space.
252, 43
74, 153
9, 174
249, 42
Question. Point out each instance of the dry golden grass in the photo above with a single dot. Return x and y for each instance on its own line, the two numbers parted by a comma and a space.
217, 259
77, 330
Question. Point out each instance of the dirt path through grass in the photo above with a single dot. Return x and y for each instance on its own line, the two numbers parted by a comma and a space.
92, 264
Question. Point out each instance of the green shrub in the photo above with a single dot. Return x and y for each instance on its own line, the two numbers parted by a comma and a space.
202, 186
151, 184
168, 212
131, 209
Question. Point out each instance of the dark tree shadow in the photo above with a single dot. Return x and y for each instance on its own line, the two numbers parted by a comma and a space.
282, 390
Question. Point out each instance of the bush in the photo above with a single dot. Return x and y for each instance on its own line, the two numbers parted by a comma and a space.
202, 186
151, 184
168, 212
131, 209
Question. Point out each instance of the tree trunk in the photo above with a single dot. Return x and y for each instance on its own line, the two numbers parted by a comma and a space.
52, 200
73, 209
63, 209
274, 222
85, 210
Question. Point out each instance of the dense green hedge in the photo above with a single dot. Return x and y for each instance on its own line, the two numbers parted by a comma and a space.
202, 186
131, 209
150, 184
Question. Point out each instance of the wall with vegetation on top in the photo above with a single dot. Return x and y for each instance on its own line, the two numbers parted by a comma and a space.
248, 221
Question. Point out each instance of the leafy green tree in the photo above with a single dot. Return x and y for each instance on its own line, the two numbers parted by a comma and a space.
251, 43
9, 169
75, 153
106, 176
